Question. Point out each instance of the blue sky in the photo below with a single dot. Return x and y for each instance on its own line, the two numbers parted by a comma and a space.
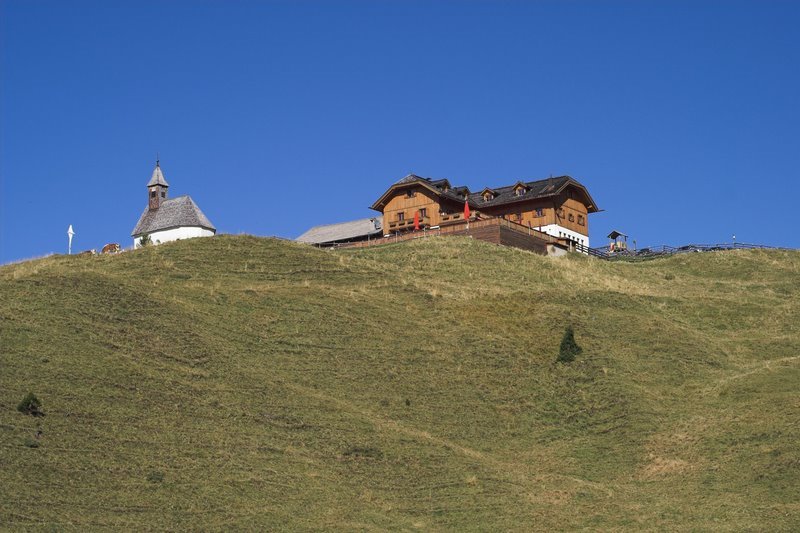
681, 118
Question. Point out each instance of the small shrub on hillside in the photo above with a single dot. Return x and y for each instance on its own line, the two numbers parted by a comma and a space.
31, 443
669, 276
155, 476
30, 405
569, 349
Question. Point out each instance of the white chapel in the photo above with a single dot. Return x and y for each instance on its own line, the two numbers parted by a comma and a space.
169, 219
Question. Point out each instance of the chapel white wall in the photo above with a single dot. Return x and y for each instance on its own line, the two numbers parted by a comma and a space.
175, 234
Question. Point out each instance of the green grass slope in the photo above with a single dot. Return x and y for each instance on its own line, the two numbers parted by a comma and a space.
236, 382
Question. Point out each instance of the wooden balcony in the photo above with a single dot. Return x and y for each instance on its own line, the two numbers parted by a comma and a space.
450, 217
408, 224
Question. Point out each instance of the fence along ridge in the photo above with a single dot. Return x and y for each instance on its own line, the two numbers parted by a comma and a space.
662, 250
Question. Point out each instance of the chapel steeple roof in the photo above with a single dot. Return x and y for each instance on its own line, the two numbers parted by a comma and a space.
158, 177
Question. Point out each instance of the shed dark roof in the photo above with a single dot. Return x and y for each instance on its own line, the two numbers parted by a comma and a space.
172, 213
343, 231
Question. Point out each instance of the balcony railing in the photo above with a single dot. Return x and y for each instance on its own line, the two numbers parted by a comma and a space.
399, 230
405, 224
451, 216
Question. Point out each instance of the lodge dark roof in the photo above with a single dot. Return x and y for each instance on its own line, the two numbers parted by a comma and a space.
507, 194
172, 213
500, 195
411, 178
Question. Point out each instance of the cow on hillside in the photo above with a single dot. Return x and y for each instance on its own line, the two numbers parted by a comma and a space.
111, 248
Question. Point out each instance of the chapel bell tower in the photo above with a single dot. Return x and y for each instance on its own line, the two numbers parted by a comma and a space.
157, 187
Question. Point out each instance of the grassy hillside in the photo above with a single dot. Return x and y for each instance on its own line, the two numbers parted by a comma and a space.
236, 382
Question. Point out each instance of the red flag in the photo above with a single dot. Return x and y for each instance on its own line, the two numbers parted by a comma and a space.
416, 221
466, 211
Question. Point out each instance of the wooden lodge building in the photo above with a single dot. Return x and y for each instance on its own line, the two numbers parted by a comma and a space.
546, 216
558, 207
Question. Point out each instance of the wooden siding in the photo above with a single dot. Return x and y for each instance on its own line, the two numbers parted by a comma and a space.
494, 230
509, 237
437, 212
554, 210
401, 203
578, 211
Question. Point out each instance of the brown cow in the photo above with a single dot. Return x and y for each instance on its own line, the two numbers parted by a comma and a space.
112, 248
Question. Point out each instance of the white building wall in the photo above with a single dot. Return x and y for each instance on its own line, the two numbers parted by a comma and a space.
175, 234
560, 231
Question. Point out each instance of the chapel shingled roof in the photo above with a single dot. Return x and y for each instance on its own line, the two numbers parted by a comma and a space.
158, 177
172, 213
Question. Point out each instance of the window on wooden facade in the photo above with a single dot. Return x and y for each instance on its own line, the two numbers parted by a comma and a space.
519, 191
539, 211
581, 221
401, 216
519, 217
423, 212
488, 196
571, 217
410, 194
